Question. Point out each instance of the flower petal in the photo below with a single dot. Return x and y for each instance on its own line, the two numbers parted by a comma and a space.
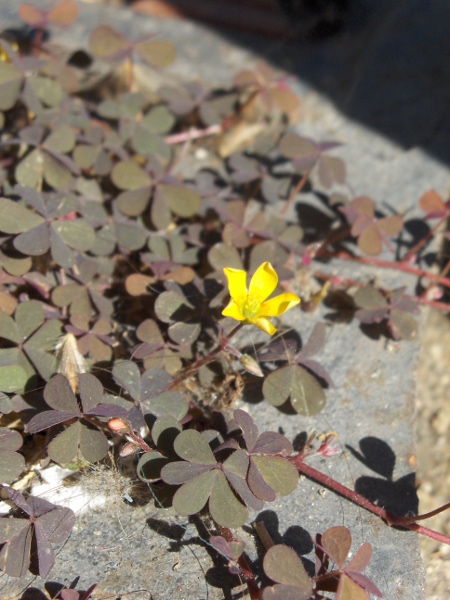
263, 324
278, 305
237, 283
263, 282
232, 310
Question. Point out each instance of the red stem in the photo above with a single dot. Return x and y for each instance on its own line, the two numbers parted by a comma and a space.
346, 492
246, 570
397, 266
353, 283
415, 249
298, 188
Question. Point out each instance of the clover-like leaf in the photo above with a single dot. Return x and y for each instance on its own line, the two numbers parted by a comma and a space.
155, 352
109, 44
174, 308
150, 391
371, 232
27, 543
11, 463
82, 436
269, 473
35, 339
396, 307
335, 544
434, 205
283, 565
202, 479
94, 340
64, 13
16, 218
296, 384
307, 154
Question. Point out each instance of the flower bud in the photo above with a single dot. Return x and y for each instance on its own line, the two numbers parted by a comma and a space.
116, 425
251, 365
128, 449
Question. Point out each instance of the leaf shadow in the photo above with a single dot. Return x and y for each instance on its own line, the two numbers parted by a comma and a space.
396, 496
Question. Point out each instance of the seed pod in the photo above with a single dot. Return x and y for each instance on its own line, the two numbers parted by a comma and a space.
69, 360
251, 365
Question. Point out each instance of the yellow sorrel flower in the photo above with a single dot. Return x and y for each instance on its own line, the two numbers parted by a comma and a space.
250, 305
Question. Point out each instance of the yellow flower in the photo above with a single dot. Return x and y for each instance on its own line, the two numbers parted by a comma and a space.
250, 306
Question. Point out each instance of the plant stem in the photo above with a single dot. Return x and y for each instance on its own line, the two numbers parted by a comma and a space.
353, 283
346, 492
246, 570
193, 134
387, 264
201, 362
415, 249
298, 188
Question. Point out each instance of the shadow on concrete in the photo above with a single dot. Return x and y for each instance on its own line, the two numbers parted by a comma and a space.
386, 68
396, 496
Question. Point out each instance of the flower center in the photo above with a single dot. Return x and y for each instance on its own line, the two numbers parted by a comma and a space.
250, 307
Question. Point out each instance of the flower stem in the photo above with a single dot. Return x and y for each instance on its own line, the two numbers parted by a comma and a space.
201, 362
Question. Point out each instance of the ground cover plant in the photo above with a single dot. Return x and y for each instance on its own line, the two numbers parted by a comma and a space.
127, 269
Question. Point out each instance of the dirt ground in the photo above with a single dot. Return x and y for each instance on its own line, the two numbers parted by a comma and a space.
433, 447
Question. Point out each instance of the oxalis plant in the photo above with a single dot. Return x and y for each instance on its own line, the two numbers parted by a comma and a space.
128, 218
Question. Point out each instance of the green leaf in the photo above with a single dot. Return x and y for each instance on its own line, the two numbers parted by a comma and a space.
77, 234
93, 443
156, 53
133, 202
11, 465
59, 395
283, 565
181, 200
224, 506
150, 465
191, 445
158, 120
30, 171
29, 316
64, 447
8, 328
105, 42
130, 236
12, 378
47, 90
41, 345
168, 403
15, 218
294, 382
193, 495
10, 84
222, 255
56, 174
126, 374
61, 139
127, 175
278, 473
